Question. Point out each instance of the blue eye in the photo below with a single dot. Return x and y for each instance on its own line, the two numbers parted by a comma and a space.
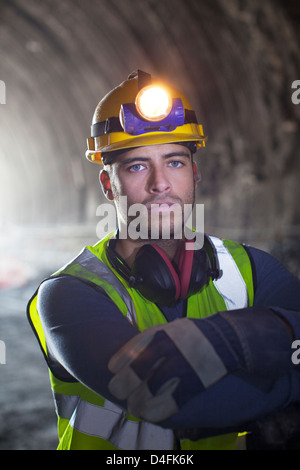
137, 167
176, 164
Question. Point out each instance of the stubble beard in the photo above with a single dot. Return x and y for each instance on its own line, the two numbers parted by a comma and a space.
162, 228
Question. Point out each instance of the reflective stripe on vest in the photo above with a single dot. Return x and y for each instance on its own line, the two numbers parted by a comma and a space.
231, 285
109, 422
88, 260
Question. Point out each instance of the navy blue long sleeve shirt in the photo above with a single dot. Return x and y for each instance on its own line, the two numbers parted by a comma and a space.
84, 328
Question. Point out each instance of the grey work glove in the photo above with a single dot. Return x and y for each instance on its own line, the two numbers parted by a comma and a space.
157, 371
161, 369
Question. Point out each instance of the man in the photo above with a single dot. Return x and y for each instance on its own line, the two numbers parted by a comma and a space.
161, 343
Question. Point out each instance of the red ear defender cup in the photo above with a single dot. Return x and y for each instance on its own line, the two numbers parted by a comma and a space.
185, 266
171, 269
159, 281
195, 271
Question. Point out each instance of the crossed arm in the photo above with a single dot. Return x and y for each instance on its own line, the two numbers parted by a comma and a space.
234, 367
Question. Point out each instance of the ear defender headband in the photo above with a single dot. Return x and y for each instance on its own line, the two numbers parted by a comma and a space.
157, 279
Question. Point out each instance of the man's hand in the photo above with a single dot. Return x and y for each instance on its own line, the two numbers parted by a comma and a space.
161, 369
157, 371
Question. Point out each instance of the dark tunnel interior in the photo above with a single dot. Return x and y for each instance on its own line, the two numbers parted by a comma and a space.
236, 60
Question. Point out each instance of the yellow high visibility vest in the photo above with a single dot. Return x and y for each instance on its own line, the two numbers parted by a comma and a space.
87, 420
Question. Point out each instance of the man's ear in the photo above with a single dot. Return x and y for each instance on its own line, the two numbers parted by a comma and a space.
105, 185
197, 174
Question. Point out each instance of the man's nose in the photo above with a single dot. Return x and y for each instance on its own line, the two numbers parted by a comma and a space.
158, 181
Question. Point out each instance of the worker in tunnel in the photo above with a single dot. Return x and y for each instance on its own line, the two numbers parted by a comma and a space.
164, 342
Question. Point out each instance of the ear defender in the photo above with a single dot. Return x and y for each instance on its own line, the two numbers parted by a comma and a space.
161, 282
194, 270
157, 279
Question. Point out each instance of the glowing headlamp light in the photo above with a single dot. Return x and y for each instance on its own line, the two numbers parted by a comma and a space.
153, 103
153, 110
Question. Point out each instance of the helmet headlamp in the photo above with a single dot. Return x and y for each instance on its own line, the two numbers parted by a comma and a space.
154, 110
153, 103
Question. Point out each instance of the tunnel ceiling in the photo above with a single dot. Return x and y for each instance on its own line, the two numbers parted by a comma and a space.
235, 60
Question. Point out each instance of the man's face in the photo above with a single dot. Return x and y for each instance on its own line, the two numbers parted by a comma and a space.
160, 177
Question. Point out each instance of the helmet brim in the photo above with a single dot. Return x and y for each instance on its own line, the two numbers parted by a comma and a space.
116, 142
